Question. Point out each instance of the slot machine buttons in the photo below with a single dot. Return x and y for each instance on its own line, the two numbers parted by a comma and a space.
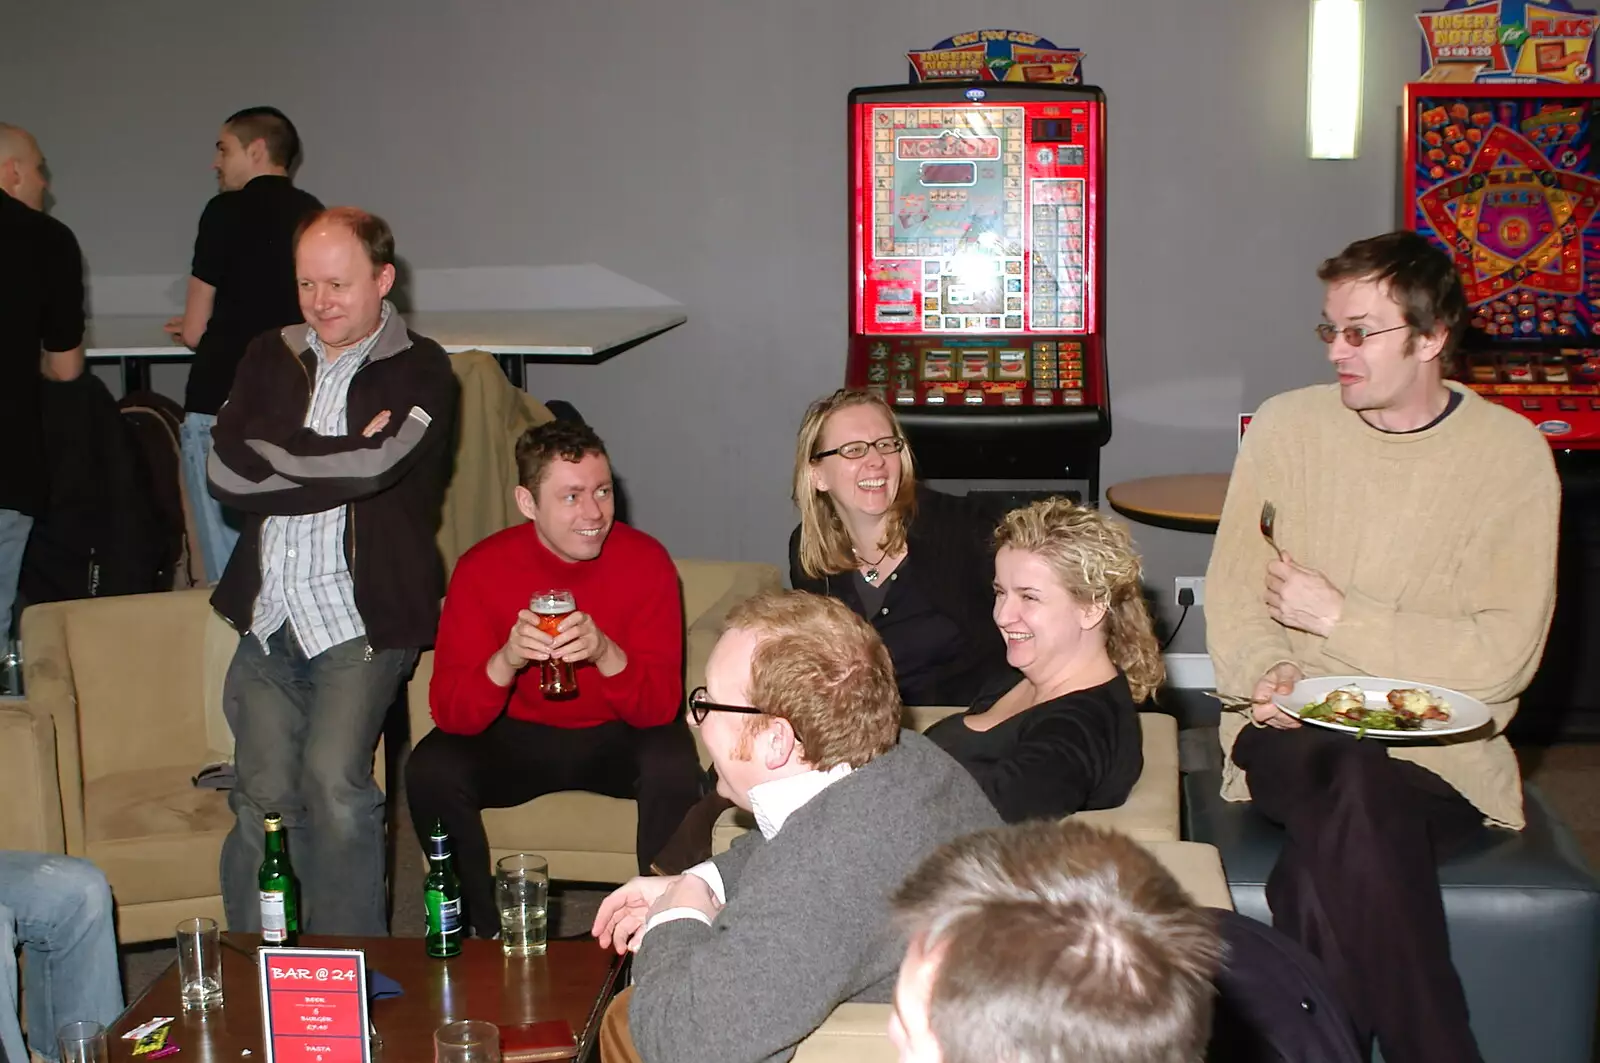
1072, 398
905, 397
974, 397
1043, 397
1594, 404
1532, 404
1014, 397
935, 398
1567, 404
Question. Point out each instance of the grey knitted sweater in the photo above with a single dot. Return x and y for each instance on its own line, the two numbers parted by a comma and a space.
806, 926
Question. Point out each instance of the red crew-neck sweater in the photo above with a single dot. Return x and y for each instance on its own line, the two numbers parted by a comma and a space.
631, 590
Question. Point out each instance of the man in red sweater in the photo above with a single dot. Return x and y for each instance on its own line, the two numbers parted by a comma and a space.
499, 740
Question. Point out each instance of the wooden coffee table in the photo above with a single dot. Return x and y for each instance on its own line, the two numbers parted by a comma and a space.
574, 980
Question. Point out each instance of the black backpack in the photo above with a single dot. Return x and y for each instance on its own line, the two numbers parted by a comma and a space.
155, 422
1274, 1002
99, 533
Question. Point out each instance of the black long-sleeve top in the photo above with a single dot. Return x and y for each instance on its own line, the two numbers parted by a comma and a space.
1072, 753
936, 616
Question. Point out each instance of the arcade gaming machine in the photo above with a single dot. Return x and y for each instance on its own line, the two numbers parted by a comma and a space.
977, 292
1506, 178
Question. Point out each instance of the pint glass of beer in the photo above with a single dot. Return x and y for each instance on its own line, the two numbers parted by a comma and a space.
555, 677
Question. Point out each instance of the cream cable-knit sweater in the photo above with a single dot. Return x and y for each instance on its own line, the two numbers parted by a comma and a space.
1443, 542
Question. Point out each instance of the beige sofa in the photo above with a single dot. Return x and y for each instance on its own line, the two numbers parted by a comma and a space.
1150, 814
588, 837
131, 688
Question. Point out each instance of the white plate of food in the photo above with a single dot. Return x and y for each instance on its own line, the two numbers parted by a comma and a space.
1374, 707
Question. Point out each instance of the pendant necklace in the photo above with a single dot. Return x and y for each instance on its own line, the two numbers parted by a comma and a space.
871, 574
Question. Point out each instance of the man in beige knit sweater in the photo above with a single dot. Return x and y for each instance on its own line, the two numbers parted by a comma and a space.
1417, 524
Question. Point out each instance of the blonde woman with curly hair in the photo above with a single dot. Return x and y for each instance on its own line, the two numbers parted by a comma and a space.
1059, 733
912, 562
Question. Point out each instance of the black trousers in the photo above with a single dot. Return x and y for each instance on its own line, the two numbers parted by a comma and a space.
1358, 884
454, 777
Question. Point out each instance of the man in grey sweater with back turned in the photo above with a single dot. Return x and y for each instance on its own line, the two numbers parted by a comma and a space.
741, 957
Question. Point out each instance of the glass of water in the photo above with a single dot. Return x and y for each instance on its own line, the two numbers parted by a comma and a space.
467, 1042
200, 964
83, 1042
522, 893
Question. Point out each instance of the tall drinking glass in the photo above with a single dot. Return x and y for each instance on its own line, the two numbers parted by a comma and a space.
551, 607
200, 964
522, 893
83, 1042
467, 1042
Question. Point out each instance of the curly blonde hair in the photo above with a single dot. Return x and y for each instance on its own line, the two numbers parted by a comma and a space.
824, 542
1096, 563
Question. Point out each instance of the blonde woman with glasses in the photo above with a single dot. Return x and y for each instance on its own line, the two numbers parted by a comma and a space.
911, 561
1059, 732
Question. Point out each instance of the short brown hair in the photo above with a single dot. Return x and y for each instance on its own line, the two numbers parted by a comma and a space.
377, 239
1058, 940
824, 543
272, 127
825, 670
1094, 558
1418, 276
554, 441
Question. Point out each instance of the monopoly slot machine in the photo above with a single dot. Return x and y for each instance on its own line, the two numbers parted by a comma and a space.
1506, 179
977, 275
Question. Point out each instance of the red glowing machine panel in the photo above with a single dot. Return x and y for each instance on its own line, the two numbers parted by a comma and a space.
1506, 178
976, 273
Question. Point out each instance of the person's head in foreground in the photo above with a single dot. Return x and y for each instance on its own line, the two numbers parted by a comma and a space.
344, 267
1391, 317
853, 476
1068, 598
797, 682
564, 486
1051, 941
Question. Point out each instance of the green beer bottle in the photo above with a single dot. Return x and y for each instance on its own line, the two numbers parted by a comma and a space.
441, 897
280, 909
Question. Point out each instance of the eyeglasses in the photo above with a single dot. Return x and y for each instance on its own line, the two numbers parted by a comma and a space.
1354, 335
700, 707
858, 448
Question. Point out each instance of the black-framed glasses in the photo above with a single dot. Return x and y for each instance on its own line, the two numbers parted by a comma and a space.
1354, 335
858, 448
700, 706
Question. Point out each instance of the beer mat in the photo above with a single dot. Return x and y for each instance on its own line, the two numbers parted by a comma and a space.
531, 1042
381, 987
155, 1044
145, 1028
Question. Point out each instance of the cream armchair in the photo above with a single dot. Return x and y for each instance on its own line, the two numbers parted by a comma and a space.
126, 683
30, 800
589, 837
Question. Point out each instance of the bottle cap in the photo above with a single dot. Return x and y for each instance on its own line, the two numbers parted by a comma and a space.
274, 821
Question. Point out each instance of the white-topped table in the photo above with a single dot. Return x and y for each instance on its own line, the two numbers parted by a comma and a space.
515, 337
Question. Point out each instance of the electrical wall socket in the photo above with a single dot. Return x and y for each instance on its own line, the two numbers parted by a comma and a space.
1193, 583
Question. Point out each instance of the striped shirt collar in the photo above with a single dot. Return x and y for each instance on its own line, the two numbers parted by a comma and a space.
360, 350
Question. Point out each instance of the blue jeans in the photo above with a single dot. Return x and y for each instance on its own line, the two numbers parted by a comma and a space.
304, 733
218, 528
58, 908
14, 528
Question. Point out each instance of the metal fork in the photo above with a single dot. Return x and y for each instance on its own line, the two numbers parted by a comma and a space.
1269, 513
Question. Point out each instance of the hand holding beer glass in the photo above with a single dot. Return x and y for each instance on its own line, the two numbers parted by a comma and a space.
556, 678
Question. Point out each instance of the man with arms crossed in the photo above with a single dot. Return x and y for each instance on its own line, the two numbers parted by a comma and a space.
241, 283
743, 956
1047, 941
41, 337
1417, 523
500, 740
336, 443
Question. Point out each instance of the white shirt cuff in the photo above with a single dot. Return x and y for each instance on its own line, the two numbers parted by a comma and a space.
670, 914
708, 873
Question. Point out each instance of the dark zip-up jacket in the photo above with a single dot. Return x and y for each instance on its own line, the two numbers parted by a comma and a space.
266, 462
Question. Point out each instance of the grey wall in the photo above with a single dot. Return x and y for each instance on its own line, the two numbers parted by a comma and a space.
698, 147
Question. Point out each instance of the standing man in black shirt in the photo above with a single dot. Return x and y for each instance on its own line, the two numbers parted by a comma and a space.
241, 284
41, 336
